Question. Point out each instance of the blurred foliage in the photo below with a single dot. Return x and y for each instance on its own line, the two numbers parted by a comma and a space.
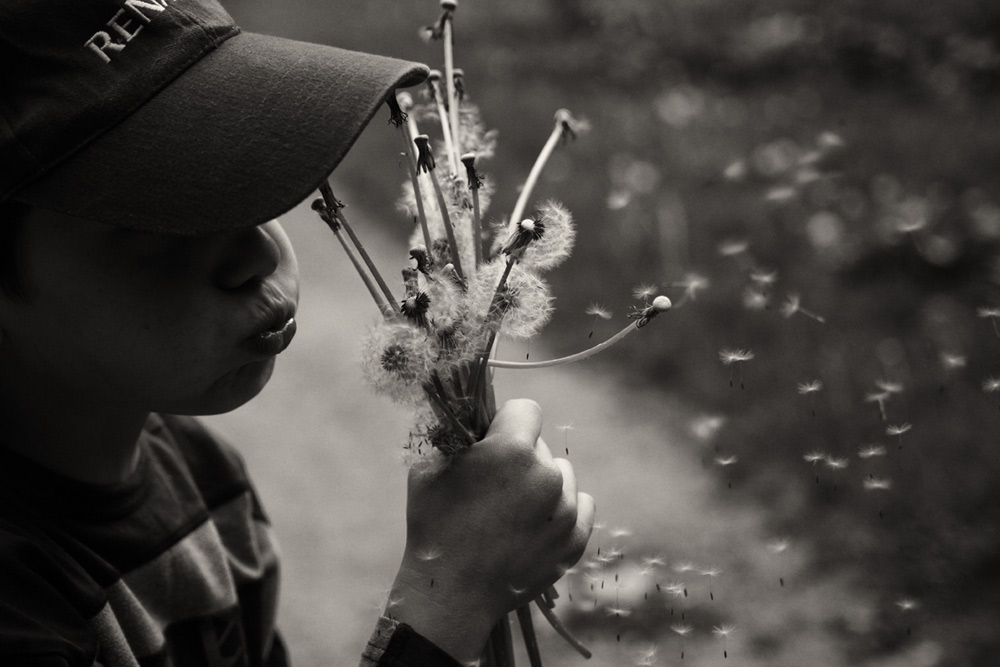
854, 147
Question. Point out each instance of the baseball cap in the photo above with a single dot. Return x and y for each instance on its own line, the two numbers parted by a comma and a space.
162, 115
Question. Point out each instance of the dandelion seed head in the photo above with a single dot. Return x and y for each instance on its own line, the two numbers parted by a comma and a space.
812, 387
871, 451
621, 612
877, 484
646, 656
598, 310
553, 247
710, 572
429, 553
684, 566
991, 385
814, 457
732, 356
897, 429
616, 533
563, 428
396, 359
527, 296
653, 561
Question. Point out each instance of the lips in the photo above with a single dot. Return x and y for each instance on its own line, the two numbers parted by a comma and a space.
275, 335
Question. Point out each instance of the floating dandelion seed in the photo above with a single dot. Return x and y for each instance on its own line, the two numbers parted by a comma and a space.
779, 546
808, 389
726, 460
815, 458
764, 278
565, 428
711, 573
730, 357
907, 605
692, 284
735, 171
754, 299
877, 484
683, 630
733, 247
724, 631
646, 657
898, 430
827, 140
599, 312
793, 305
879, 397
643, 292
781, 194
834, 463
991, 385
992, 314
871, 451
952, 361
872, 483
889, 387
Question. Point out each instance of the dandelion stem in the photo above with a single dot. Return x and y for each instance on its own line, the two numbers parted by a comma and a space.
388, 310
333, 205
477, 228
562, 631
579, 356
448, 229
528, 634
446, 127
442, 405
407, 132
536, 170
452, 104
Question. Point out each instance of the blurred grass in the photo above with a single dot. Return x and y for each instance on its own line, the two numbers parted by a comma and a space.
676, 93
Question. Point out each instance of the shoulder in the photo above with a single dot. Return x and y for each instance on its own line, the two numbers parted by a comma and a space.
46, 602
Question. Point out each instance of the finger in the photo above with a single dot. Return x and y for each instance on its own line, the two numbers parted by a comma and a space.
569, 481
542, 450
518, 422
585, 512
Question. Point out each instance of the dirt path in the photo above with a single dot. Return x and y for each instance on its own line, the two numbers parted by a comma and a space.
325, 454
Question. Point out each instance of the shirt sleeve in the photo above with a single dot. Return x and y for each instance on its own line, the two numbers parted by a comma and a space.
395, 644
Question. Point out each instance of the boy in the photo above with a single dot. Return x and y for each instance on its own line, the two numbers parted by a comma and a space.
147, 146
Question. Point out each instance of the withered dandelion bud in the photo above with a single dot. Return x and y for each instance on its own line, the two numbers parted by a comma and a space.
469, 160
425, 157
397, 117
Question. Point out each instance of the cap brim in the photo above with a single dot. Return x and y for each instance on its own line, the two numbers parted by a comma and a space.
239, 138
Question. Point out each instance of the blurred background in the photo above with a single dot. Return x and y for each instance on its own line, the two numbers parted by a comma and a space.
813, 182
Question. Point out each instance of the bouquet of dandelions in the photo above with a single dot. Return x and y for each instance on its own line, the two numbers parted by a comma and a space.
433, 347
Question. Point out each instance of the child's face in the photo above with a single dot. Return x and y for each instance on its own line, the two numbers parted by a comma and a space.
151, 322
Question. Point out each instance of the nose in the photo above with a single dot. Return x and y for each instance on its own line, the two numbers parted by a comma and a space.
250, 256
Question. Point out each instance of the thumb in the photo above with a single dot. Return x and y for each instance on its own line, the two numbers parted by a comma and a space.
518, 422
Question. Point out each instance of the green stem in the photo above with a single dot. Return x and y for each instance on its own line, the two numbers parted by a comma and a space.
448, 229
388, 310
563, 632
411, 161
528, 635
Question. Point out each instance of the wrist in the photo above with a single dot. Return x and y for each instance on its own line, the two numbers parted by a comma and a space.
454, 617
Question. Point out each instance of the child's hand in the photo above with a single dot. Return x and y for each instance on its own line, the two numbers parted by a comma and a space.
488, 533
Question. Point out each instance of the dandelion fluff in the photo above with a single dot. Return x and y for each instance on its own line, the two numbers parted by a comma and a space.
397, 359
527, 298
556, 243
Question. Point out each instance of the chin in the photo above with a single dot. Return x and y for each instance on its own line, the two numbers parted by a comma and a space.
231, 391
